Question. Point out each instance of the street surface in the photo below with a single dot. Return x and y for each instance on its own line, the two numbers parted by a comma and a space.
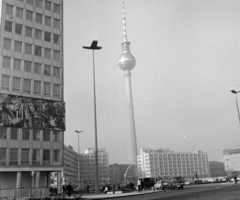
219, 191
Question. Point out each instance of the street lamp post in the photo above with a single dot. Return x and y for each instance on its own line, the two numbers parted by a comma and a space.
235, 92
95, 47
79, 185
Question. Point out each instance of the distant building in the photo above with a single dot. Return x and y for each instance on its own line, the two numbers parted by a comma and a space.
87, 166
217, 169
232, 159
117, 172
166, 163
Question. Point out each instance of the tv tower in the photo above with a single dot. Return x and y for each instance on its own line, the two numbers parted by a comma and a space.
127, 63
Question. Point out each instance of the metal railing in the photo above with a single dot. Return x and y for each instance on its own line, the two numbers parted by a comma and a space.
23, 193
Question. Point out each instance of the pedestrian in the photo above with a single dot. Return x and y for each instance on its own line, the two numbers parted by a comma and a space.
142, 186
139, 185
113, 188
51, 190
106, 190
63, 190
171, 184
69, 189
161, 184
88, 189
235, 178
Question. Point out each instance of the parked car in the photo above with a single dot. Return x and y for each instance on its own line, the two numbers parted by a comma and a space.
157, 185
188, 182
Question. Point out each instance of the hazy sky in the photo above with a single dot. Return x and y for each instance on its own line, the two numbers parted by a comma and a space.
187, 61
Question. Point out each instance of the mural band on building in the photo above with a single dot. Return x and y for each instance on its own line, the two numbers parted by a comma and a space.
27, 112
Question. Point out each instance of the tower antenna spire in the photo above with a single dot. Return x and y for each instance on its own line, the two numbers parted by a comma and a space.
124, 22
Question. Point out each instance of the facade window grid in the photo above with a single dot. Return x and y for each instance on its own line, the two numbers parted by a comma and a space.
29, 15
19, 12
9, 9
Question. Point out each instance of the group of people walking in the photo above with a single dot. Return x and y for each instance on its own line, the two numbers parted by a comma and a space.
67, 190
140, 185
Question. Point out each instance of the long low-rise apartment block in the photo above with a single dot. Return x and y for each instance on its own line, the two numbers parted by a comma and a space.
166, 163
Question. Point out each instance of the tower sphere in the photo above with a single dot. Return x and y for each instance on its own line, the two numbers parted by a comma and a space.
127, 61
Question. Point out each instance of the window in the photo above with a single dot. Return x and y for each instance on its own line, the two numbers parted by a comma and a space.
46, 135
56, 155
3, 156
47, 21
14, 134
37, 68
19, 12
29, 15
25, 134
27, 66
38, 34
28, 31
47, 70
47, 36
25, 157
56, 136
6, 62
39, 3
46, 157
56, 39
17, 64
18, 29
36, 157
56, 90
57, 8
29, 2
56, 71
8, 26
27, 86
28, 48
38, 18
37, 87
16, 84
47, 53
7, 44
13, 156
3, 132
9, 9
38, 51
56, 23
36, 134
48, 5
18, 46
56, 55
47, 89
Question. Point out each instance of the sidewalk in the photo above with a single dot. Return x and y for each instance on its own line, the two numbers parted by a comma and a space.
116, 195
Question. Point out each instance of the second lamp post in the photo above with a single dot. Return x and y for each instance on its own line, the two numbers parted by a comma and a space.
95, 47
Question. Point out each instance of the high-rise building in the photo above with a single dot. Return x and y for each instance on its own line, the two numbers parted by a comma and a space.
127, 62
166, 163
32, 110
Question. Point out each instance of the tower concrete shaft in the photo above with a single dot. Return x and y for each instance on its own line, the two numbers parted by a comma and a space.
127, 62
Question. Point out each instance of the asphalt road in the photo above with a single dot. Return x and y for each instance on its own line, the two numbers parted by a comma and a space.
200, 192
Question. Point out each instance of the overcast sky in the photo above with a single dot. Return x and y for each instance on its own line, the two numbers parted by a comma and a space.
187, 61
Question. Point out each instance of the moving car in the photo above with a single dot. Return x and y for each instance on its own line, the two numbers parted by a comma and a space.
176, 182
